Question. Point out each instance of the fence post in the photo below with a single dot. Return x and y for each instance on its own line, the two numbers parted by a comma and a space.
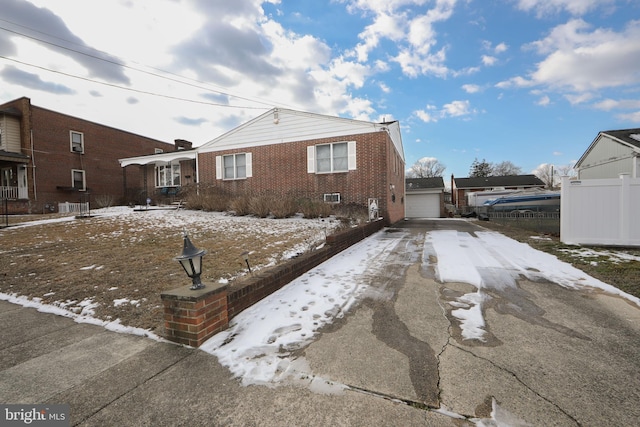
625, 208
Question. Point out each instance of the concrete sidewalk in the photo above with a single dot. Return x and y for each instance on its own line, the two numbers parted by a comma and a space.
554, 357
113, 379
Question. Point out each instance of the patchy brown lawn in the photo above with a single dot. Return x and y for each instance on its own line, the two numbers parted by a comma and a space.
123, 264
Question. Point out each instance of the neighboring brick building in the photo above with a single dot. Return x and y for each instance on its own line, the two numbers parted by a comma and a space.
304, 155
48, 157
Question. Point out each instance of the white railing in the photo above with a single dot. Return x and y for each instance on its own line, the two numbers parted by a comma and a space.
8, 192
67, 207
600, 211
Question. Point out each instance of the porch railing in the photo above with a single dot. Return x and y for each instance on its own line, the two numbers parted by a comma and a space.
67, 207
8, 192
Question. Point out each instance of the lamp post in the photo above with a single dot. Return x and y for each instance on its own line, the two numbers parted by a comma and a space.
245, 257
191, 261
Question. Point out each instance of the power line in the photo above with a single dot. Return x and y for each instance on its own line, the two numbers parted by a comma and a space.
128, 88
121, 64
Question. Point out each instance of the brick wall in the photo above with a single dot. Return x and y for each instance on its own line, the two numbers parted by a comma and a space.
54, 160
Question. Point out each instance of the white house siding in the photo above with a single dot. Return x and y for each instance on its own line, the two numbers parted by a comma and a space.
423, 205
10, 128
607, 158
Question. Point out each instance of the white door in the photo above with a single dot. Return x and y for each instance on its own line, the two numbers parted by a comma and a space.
423, 206
23, 189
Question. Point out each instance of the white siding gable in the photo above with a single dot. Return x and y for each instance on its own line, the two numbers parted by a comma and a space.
282, 125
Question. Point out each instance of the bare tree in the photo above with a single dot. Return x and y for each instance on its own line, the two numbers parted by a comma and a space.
426, 167
546, 173
506, 168
566, 170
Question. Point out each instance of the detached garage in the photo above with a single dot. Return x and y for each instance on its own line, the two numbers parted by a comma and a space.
425, 198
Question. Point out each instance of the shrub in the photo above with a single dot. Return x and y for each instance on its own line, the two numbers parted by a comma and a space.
241, 205
104, 201
206, 198
314, 208
260, 205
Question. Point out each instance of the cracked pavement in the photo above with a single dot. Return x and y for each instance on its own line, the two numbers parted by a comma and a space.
550, 356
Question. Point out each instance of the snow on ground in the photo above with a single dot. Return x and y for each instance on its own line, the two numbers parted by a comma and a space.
259, 343
494, 261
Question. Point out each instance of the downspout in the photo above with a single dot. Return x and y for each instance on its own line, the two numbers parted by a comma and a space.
33, 167
197, 175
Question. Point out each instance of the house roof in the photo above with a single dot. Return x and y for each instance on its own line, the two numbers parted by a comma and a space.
281, 125
499, 181
628, 137
11, 111
415, 184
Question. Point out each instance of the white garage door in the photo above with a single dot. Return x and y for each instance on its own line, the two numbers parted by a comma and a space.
423, 206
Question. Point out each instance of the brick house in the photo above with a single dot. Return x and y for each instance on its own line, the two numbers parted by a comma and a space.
462, 187
302, 154
48, 157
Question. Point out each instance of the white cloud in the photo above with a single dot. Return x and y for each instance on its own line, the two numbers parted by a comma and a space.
502, 47
414, 34
610, 104
431, 113
471, 88
574, 7
580, 61
631, 117
544, 101
456, 108
488, 60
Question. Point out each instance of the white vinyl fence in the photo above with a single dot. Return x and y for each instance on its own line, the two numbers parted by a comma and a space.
600, 211
67, 207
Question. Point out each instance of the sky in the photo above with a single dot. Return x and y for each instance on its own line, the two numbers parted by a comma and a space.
526, 81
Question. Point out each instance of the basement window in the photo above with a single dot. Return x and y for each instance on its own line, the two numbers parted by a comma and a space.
332, 198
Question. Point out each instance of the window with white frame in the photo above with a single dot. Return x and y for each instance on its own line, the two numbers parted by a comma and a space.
78, 180
332, 198
235, 166
77, 141
330, 158
168, 175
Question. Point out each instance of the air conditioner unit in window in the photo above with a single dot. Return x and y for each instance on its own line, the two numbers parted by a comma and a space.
332, 198
77, 149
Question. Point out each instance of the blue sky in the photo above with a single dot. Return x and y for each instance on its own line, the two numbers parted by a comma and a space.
526, 81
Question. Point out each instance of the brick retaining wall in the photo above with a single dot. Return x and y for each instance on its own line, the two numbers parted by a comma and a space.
192, 317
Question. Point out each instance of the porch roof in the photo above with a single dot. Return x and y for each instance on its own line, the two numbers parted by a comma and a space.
159, 159
7, 156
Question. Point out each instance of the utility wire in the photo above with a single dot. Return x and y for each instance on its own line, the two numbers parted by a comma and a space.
128, 88
121, 64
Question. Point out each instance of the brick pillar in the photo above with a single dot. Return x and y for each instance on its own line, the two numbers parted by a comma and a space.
193, 316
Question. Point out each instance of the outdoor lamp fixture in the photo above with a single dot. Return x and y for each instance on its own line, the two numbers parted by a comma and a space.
191, 261
245, 257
